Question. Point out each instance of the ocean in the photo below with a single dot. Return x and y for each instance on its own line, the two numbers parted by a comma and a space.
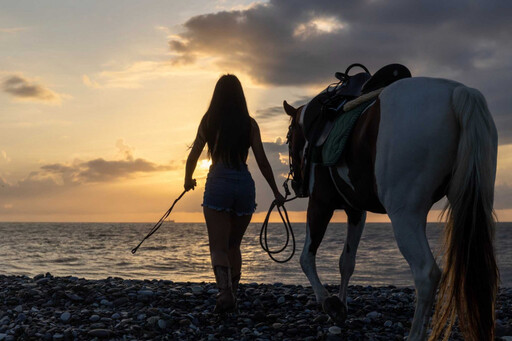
179, 252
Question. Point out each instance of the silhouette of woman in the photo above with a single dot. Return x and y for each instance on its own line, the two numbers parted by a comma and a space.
229, 196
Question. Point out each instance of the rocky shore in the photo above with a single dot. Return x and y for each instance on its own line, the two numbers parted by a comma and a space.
70, 308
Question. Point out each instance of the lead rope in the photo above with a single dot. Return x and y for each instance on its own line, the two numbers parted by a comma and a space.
159, 223
287, 226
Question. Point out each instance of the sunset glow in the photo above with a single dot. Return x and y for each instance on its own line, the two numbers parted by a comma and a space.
101, 100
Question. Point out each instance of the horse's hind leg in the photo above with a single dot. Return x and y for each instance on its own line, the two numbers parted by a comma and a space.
355, 226
409, 229
317, 220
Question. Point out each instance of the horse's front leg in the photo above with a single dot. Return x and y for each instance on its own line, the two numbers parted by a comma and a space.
355, 226
318, 217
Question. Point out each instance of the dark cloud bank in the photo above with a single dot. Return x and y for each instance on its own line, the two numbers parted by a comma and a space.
302, 42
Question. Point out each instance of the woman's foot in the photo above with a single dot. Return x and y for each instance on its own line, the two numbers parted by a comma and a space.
225, 299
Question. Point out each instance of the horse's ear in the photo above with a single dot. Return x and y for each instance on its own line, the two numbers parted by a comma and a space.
289, 109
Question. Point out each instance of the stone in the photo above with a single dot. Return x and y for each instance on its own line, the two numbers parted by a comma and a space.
97, 325
43, 280
196, 289
105, 302
101, 333
277, 325
21, 317
145, 292
388, 324
335, 330
152, 320
74, 297
162, 324
281, 300
18, 309
58, 336
373, 315
121, 300
65, 317
94, 318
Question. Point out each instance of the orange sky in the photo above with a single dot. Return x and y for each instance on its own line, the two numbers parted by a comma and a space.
98, 110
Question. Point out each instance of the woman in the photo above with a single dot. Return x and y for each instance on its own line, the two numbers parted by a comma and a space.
229, 197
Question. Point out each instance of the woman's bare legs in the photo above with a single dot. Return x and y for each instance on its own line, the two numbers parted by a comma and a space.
219, 227
238, 227
225, 233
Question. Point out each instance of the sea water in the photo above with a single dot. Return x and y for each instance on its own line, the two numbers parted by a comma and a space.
179, 252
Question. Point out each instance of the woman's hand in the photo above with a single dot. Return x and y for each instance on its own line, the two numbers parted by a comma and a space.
279, 199
190, 184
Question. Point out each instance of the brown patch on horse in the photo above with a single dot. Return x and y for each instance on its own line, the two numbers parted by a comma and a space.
323, 200
359, 156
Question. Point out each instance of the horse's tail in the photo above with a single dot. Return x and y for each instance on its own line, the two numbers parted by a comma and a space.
469, 283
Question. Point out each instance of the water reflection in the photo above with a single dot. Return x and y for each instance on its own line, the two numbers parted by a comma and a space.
179, 252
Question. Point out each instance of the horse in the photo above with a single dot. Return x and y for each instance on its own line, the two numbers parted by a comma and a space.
422, 139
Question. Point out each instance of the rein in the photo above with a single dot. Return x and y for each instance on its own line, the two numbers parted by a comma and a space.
287, 227
284, 218
159, 223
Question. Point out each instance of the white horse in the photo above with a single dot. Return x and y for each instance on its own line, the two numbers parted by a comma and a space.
423, 139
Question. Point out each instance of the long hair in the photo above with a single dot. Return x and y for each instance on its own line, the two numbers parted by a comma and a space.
228, 124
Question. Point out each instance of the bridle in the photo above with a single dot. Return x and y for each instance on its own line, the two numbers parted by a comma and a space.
297, 182
292, 176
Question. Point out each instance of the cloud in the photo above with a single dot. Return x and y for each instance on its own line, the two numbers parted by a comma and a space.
60, 177
89, 82
4, 156
25, 89
130, 76
271, 113
302, 43
290, 42
101, 170
13, 29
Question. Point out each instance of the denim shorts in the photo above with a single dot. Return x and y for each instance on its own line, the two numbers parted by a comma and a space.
230, 189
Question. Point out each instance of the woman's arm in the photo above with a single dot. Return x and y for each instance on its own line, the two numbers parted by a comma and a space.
193, 156
262, 161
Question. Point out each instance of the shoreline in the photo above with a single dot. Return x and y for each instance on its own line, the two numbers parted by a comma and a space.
70, 308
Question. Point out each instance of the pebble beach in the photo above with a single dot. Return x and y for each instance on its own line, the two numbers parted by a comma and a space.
69, 308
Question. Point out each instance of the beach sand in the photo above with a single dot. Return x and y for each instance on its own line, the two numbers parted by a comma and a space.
69, 308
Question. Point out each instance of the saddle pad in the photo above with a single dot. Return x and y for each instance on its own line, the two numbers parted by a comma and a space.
337, 139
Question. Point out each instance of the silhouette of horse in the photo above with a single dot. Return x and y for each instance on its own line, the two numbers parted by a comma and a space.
423, 139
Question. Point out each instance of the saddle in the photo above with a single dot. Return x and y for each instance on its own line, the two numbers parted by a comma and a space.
323, 109
351, 94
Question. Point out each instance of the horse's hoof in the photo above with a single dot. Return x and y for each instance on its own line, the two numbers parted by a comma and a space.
335, 309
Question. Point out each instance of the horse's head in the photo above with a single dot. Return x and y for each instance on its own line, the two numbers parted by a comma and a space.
296, 143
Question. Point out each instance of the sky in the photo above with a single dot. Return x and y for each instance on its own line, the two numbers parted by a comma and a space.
100, 100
